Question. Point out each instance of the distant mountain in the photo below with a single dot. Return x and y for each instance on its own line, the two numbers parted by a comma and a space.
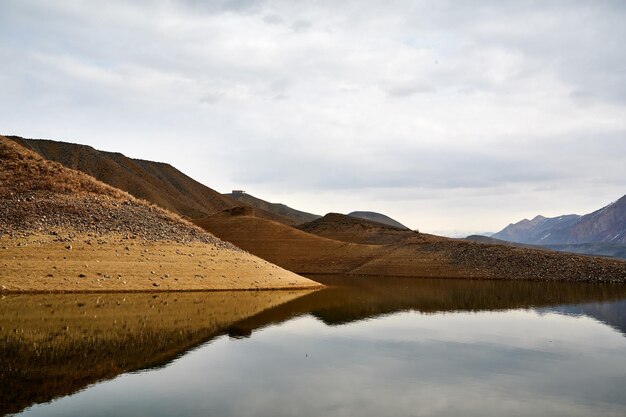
295, 216
377, 217
535, 230
607, 224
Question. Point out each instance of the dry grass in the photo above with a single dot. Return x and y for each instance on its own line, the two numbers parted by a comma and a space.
24, 171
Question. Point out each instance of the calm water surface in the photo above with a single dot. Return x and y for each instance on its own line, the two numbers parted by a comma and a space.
360, 348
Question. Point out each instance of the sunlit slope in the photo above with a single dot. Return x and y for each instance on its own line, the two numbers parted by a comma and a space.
62, 230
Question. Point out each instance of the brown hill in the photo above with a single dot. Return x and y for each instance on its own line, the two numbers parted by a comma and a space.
286, 246
284, 212
62, 230
355, 230
378, 217
156, 182
420, 255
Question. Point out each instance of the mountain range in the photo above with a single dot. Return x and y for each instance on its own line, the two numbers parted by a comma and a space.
606, 225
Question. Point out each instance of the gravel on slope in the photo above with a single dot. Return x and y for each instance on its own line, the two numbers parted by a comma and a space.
44, 211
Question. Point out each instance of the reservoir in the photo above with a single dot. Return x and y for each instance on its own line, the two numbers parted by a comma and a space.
359, 347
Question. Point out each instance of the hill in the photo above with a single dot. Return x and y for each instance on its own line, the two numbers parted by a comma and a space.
62, 230
156, 182
493, 241
286, 246
377, 217
291, 216
355, 230
607, 224
419, 255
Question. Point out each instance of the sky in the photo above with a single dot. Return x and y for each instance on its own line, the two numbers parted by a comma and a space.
445, 115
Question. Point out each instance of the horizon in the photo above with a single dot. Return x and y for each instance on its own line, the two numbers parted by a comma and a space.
445, 118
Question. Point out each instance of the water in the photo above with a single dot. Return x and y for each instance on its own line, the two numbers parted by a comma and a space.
366, 347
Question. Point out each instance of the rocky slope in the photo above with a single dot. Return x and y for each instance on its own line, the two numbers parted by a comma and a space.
62, 230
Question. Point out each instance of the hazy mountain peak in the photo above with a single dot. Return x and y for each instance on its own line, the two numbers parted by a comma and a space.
607, 224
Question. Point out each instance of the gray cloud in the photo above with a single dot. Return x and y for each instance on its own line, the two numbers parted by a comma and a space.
447, 100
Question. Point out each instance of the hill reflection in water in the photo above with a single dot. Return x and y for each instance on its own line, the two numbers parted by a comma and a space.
54, 345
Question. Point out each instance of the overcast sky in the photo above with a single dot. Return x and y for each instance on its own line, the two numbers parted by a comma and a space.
445, 115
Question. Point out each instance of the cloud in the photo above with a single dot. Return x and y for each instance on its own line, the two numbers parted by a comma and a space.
336, 97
